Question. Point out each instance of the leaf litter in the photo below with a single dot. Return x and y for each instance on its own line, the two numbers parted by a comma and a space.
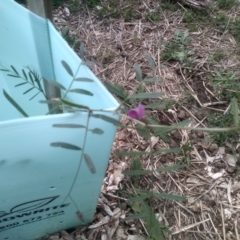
208, 182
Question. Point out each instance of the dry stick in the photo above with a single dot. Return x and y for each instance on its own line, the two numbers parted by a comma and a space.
236, 230
111, 13
189, 226
215, 229
43, 8
185, 208
204, 193
223, 222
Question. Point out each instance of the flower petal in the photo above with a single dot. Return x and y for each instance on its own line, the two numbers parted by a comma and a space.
133, 113
141, 111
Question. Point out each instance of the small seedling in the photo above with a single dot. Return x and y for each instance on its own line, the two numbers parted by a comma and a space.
175, 50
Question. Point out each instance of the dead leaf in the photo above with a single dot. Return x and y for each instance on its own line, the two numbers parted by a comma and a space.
100, 223
230, 159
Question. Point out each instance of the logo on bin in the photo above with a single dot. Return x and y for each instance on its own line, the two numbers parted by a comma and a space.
30, 212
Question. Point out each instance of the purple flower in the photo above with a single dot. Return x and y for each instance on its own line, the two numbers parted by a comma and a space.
137, 113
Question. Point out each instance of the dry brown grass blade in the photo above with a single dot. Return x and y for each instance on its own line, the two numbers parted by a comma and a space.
189, 227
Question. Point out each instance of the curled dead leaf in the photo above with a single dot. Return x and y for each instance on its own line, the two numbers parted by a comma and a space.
230, 159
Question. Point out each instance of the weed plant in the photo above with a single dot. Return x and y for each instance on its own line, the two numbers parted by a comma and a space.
141, 201
225, 126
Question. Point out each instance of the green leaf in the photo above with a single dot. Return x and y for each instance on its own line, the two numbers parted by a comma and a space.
11, 75
182, 123
81, 91
30, 89
137, 216
177, 33
14, 69
31, 77
107, 119
14, 104
65, 145
170, 168
34, 96
97, 131
131, 154
89, 163
185, 34
161, 104
82, 46
235, 112
181, 56
67, 68
38, 82
136, 172
74, 104
142, 131
140, 191
151, 80
174, 126
4, 70
25, 75
117, 90
150, 61
49, 101
147, 95
138, 71
140, 197
167, 150
20, 84
68, 125
140, 89
82, 79
168, 196
153, 226
136, 207
65, 31
88, 63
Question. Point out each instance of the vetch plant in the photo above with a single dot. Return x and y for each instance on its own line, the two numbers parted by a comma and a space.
137, 113
141, 201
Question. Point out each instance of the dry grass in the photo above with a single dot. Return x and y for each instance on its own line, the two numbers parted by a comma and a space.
208, 181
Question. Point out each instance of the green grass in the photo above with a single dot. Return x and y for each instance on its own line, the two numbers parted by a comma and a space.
217, 56
175, 50
194, 18
92, 3
114, 9
226, 4
227, 85
169, 5
222, 120
154, 16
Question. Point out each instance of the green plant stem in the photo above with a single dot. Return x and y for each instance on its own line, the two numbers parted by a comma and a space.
79, 165
151, 160
229, 129
169, 128
54, 108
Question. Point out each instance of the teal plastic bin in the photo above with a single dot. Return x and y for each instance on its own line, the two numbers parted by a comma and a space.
46, 184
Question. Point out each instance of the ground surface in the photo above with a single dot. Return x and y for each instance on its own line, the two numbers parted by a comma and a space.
199, 67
